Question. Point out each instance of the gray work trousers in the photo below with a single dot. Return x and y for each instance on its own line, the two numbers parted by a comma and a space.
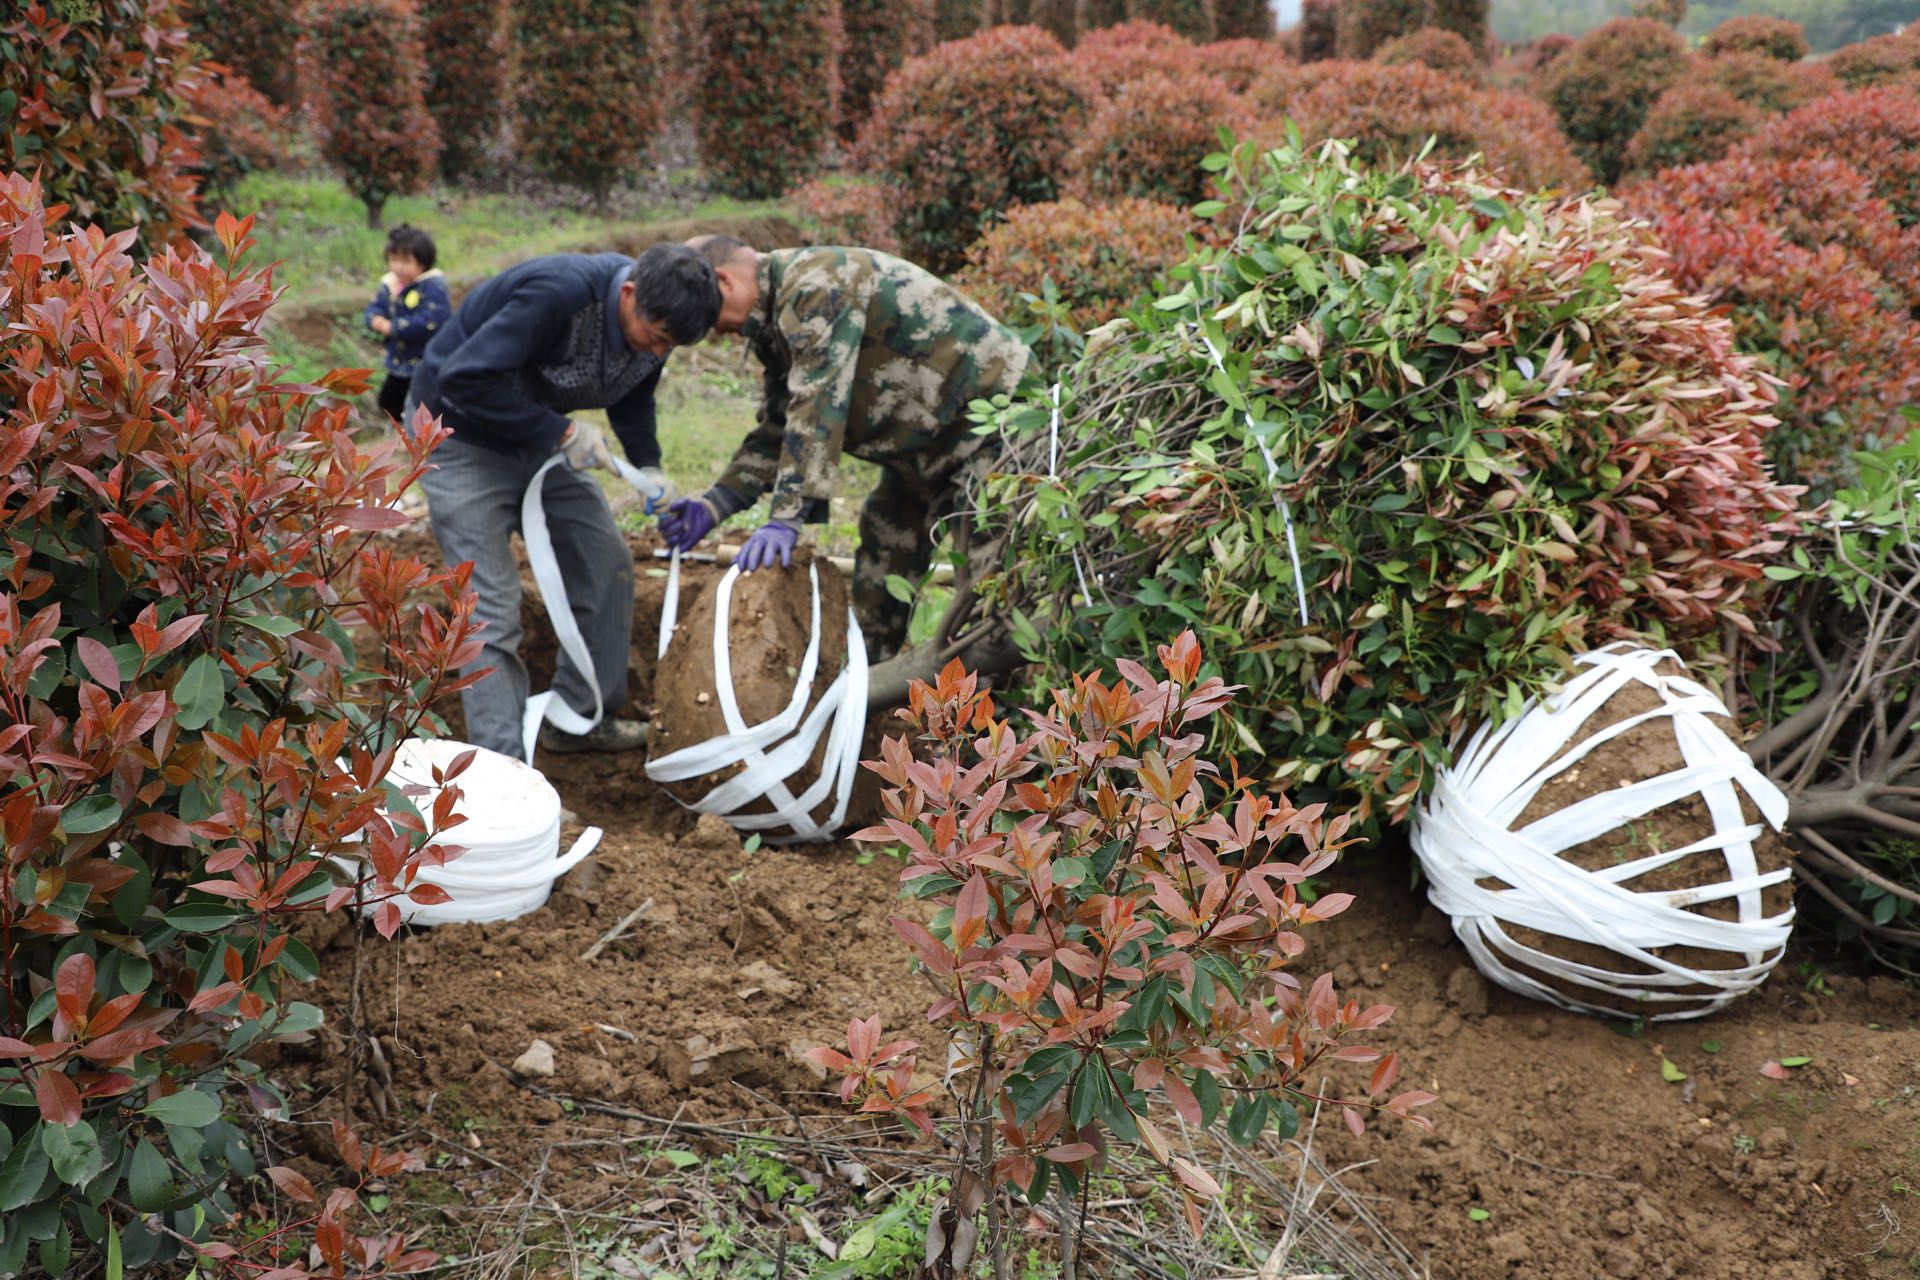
473, 497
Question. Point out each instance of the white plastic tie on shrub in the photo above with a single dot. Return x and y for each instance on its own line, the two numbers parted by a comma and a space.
511, 835
1280, 502
772, 751
1053, 472
1464, 834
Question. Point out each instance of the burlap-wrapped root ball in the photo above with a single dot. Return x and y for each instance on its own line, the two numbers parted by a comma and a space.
1612, 849
761, 723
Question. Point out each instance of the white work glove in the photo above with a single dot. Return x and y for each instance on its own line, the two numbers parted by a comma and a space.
585, 447
655, 489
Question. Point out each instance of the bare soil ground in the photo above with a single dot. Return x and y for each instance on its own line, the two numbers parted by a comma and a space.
1561, 1150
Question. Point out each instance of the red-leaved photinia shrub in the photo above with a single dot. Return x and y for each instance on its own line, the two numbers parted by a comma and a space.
766, 118
1190, 18
1238, 63
1850, 363
971, 129
366, 83
1603, 87
1061, 17
1438, 48
1771, 37
1877, 131
1114, 56
1812, 202
466, 78
92, 103
236, 129
585, 109
1365, 25
877, 36
1242, 20
1536, 55
1318, 35
1149, 138
848, 211
1100, 257
1274, 93
206, 660
1391, 111
1118, 922
1689, 124
1767, 83
1876, 60
674, 47
257, 40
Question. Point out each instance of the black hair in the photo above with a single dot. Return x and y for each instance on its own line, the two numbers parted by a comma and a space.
675, 287
413, 242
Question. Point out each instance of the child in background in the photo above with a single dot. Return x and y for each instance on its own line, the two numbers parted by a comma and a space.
409, 309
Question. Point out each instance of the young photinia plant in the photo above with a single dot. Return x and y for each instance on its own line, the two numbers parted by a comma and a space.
1115, 919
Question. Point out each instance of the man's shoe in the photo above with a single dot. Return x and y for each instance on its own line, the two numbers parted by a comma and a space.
609, 735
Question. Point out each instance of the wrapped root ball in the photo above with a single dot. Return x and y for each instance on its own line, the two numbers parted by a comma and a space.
748, 721
1612, 849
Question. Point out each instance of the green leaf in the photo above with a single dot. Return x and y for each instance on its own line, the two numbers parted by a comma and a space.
24, 1169
1782, 573
900, 589
1209, 209
680, 1159
1206, 1091
1031, 1093
116, 1270
56, 1251
204, 917
149, 1180
1709, 1046
189, 1108
1795, 1062
1247, 1119
1670, 1073
298, 960
272, 625
1478, 1215
199, 693
299, 1017
90, 813
74, 1150
1286, 1117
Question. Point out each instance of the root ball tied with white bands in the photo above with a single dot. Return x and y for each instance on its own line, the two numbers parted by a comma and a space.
1492, 879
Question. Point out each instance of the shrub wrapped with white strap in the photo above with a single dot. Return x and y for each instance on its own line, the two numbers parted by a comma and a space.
1612, 849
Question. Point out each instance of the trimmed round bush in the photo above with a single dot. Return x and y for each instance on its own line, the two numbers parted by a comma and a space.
257, 40
466, 78
971, 129
1536, 55
1275, 93
1813, 201
1668, 13
1100, 257
1435, 47
1690, 123
584, 106
368, 95
877, 36
1365, 25
1189, 18
1850, 365
1149, 138
1238, 63
1770, 37
1877, 131
1768, 83
1465, 18
1318, 36
1603, 87
1878, 60
1242, 20
762, 128
1114, 56
848, 211
1390, 112
122, 163
1057, 16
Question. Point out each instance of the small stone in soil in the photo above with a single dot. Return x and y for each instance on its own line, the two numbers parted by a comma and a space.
536, 1061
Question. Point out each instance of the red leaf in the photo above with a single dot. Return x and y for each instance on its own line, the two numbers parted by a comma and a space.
163, 828
428, 894
1070, 1152
74, 985
371, 518
1774, 1071
970, 912
59, 1100
11, 1048
1195, 1177
292, 1184
99, 663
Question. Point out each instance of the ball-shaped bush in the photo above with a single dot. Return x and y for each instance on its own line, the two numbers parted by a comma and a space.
1690, 123
1877, 131
1603, 87
970, 129
1770, 37
1767, 83
1238, 63
766, 107
1114, 56
1149, 138
1099, 257
1435, 47
848, 211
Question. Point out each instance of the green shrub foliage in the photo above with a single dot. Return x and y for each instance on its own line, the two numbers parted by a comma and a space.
971, 129
206, 658
1603, 87
257, 39
878, 36
92, 103
1365, 25
1504, 435
584, 100
1690, 123
466, 78
1188, 17
365, 61
766, 105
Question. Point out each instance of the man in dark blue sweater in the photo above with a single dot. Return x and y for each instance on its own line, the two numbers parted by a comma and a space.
535, 343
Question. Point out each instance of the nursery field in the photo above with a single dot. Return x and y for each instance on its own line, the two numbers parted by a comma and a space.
1564, 1145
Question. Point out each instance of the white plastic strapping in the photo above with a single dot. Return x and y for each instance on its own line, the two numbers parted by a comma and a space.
511, 834
1464, 834
772, 751
1280, 502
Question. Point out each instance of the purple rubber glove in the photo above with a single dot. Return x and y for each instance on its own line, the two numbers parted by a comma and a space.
687, 521
772, 540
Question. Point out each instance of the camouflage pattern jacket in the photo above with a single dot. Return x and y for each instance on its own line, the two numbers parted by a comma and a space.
868, 354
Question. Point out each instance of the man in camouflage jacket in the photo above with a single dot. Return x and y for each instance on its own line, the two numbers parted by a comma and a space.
867, 354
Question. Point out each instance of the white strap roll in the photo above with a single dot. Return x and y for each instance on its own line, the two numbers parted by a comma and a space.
1464, 835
